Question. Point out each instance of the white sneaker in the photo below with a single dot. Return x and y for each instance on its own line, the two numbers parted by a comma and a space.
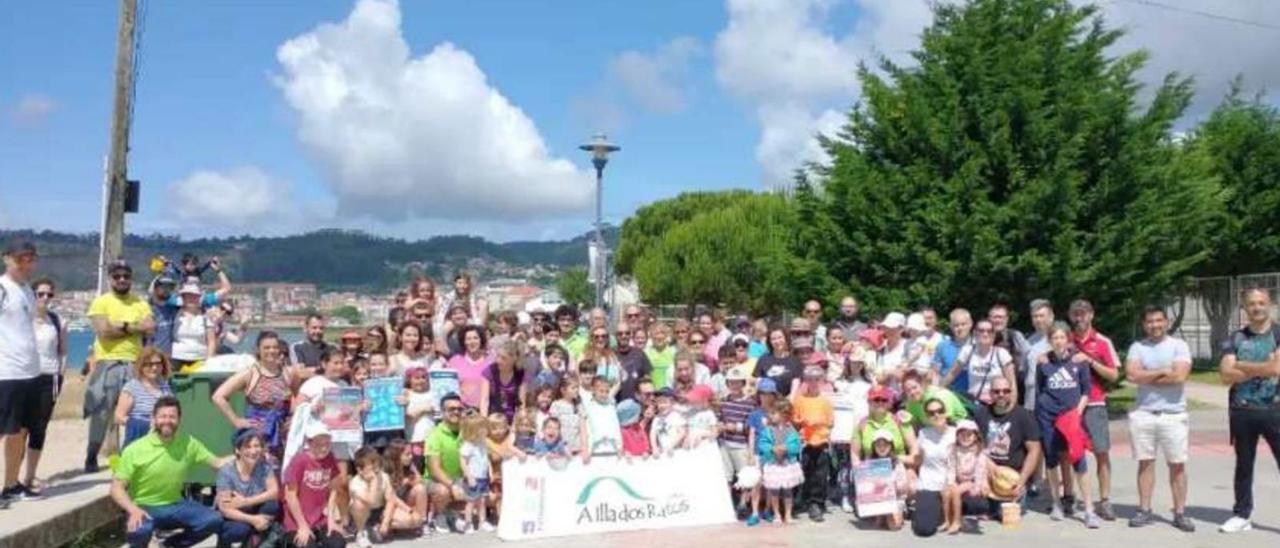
469, 530
1236, 524
487, 527
362, 540
460, 525
846, 506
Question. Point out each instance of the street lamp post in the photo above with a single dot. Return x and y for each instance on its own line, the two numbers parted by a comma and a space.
599, 147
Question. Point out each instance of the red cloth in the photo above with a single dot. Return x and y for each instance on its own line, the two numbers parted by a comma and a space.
1071, 426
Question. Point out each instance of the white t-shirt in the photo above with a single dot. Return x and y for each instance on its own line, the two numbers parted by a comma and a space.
419, 401
665, 429
47, 348
602, 426
983, 369
701, 423
358, 485
936, 448
18, 356
475, 459
927, 345
313, 389
190, 342
569, 417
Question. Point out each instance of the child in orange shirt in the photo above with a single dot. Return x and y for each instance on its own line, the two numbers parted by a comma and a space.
814, 416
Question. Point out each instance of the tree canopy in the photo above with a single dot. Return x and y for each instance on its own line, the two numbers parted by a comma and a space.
573, 287
1013, 161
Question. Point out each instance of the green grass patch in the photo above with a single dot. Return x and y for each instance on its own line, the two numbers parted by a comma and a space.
1121, 400
1206, 377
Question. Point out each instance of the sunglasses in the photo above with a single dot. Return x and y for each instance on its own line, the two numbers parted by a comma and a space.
44, 294
697, 341
999, 391
624, 333
633, 315
155, 363
935, 412
879, 400
599, 337
812, 311
122, 276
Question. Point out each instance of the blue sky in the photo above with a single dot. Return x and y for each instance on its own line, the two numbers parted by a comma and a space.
280, 117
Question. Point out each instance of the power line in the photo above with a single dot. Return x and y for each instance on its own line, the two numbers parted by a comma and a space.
1206, 14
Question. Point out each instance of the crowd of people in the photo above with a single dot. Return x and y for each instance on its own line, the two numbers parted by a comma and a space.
972, 420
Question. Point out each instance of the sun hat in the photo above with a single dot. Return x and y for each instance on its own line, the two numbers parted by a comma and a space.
874, 337
740, 338
189, 289
316, 429
894, 320
735, 374
802, 343
767, 386
628, 413
800, 324
966, 424
915, 322
882, 435
699, 394
814, 372
880, 393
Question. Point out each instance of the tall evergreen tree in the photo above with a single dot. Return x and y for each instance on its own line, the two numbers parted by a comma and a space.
1013, 160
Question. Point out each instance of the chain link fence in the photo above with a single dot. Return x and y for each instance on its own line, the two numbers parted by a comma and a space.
1210, 310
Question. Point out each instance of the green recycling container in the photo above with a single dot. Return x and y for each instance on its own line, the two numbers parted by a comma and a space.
202, 419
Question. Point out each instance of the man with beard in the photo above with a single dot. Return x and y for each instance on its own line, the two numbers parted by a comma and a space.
1012, 436
305, 354
149, 478
635, 364
1098, 353
164, 309
1251, 365
848, 320
120, 321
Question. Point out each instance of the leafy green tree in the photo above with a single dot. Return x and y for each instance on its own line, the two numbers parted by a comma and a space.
1013, 161
349, 313
650, 223
1241, 143
573, 287
739, 256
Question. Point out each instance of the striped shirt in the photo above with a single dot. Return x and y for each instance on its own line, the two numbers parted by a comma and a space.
144, 400
733, 419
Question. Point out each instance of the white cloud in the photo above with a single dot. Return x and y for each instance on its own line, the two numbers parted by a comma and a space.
655, 80
1212, 50
238, 198
33, 109
783, 60
400, 137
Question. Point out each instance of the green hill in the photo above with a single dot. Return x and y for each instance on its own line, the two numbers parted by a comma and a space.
330, 258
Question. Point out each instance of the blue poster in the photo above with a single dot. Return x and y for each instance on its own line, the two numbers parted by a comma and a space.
384, 413
442, 383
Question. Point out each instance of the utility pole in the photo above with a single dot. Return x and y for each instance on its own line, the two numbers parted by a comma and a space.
111, 245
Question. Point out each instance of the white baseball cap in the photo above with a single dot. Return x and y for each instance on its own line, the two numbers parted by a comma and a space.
894, 320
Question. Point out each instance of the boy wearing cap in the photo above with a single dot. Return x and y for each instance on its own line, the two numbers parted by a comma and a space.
814, 415
635, 441
311, 483
735, 408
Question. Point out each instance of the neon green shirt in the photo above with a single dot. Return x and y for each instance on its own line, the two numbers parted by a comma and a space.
156, 471
444, 442
662, 361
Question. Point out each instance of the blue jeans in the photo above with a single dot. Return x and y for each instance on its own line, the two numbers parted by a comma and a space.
196, 520
135, 428
239, 531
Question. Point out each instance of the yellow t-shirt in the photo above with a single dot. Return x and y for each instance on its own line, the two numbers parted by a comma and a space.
115, 309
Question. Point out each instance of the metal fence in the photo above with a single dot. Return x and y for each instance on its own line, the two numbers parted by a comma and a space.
1210, 310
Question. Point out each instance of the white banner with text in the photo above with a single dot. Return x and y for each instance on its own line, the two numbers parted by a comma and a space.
549, 498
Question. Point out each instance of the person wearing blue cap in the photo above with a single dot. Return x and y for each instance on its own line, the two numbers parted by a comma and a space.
635, 441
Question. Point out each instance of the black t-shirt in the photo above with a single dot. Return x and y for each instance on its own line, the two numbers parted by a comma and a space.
1007, 435
781, 370
308, 353
636, 365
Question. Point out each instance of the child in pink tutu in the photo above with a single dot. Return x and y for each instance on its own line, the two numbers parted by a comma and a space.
779, 450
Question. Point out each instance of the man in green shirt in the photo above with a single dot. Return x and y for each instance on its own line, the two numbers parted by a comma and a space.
575, 339
444, 465
149, 478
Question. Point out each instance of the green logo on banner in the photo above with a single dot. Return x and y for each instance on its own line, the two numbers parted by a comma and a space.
626, 488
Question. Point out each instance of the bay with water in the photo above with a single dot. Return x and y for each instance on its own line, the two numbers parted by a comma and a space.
79, 343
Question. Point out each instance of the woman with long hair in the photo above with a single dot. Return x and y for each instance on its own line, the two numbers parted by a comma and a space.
267, 387
150, 382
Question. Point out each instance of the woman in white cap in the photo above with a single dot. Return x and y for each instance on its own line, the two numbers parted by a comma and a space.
194, 335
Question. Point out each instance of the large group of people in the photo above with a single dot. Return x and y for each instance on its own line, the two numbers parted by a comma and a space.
973, 420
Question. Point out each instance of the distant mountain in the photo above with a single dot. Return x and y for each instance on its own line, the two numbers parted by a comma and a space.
330, 258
